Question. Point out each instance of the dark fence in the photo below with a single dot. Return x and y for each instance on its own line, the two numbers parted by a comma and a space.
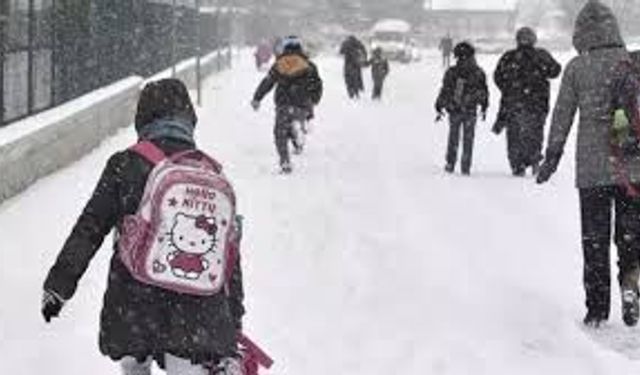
53, 51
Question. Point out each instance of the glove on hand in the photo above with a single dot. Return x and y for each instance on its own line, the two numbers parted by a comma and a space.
52, 304
547, 169
255, 105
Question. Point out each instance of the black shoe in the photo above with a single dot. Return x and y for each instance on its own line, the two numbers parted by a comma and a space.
594, 320
449, 168
286, 168
630, 307
466, 172
520, 172
535, 169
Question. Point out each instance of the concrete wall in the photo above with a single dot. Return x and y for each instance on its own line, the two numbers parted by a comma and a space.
42, 144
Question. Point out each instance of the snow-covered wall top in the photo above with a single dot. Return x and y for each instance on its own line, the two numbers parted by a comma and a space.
488, 5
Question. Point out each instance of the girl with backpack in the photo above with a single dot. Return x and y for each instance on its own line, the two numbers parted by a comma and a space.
605, 180
464, 90
174, 291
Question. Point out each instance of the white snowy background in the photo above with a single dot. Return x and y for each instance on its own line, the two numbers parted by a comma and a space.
367, 260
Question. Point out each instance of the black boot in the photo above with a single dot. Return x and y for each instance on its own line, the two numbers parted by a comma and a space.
594, 320
629, 293
449, 168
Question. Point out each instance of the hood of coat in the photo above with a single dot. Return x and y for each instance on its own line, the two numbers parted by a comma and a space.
292, 65
166, 99
596, 27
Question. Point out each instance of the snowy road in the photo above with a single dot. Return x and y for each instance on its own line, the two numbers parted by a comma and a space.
368, 260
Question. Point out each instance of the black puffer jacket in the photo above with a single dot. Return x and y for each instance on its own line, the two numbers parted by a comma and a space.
464, 89
140, 320
297, 82
523, 78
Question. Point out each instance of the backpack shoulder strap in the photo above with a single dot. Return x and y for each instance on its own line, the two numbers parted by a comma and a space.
149, 151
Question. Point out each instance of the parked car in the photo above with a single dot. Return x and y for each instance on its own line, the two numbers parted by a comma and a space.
393, 36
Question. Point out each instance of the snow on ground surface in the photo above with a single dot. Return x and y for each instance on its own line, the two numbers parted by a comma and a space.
368, 260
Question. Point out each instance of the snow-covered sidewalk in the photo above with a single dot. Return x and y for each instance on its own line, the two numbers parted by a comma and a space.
367, 260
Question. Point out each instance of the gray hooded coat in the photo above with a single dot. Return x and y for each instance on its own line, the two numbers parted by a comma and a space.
586, 85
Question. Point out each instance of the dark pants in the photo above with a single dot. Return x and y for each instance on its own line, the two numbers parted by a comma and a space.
597, 206
285, 131
446, 60
378, 85
353, 80
525, 136
466, 123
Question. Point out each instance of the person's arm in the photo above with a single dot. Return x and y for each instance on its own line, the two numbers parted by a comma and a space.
484, 93
98, 218
267, 84
502, 74
236, 295
315, 85
548, 65
561, 122
446, 92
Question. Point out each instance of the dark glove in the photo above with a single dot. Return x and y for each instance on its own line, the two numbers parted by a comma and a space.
497, 128
255, 105
439, 116
548, 168
52, 303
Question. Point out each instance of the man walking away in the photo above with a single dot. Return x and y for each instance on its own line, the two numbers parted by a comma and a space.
355, 56
523, 78
446, 46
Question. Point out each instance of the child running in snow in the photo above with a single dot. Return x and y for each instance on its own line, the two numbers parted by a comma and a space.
298, 91
186, 333
464, 89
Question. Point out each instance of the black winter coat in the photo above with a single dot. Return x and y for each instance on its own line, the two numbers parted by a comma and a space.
464, 89
523, 78
137, 319
355, 57
379, 68
297, 80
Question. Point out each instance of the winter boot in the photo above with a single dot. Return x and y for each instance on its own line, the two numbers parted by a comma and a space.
519, 172
449, 168
286, 167
594, 320
629, 292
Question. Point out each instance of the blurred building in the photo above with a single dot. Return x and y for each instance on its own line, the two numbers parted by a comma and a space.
468, 20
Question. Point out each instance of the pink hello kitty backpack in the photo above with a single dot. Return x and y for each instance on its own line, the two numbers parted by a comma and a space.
183, 236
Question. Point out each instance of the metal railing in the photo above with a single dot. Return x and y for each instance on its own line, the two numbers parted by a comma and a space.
53, 51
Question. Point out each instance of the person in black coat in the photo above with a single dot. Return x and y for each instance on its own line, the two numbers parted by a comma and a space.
464, 90
379, 71
298, 90
523, 78
139, 321
355, 56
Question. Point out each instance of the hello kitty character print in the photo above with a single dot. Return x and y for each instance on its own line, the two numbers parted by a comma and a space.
183, 237
193, 238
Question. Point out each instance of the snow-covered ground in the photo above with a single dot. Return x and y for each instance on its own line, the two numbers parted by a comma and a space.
368, 260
